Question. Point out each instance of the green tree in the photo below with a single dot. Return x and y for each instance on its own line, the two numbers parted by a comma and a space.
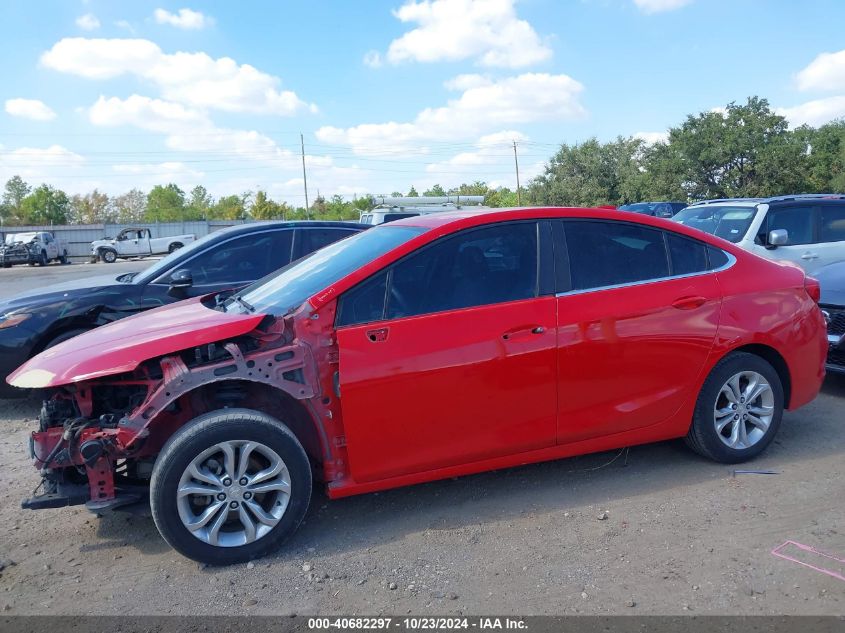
746, 151
45, 205
263, 208
13, 194
165, 204
92, 208
199, 204
412, 192
228, 208
824, 149
591, 174
129, 207
436, 190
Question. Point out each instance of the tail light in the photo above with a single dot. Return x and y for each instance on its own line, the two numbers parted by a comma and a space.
813, 288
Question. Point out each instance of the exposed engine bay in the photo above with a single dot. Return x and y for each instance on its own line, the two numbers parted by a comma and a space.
98, 440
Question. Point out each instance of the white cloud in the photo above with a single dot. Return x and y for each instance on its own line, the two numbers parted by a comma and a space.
659, 6
815, 113
825, 73
125, 24
30, 109
483, 105
195, 79
650, 138
88, 22
453, 30
373, 59
40, 164
184, 19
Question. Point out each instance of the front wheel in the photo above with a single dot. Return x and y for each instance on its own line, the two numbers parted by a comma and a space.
42, 259
739, 409
230, 486
109, 256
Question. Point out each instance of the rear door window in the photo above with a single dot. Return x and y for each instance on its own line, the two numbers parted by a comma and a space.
832, 223
688, 256
605, 253
310, 240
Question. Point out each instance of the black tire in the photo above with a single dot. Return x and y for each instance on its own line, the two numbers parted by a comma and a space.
174, 247
108, 255
6, 265
202, 433
63, 258
703, 437
42, 259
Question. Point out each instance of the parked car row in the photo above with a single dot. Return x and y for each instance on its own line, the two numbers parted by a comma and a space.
428, 347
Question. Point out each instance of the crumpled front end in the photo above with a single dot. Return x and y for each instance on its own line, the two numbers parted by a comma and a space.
98, 439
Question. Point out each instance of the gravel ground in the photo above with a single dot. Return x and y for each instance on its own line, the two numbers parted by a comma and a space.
656, 531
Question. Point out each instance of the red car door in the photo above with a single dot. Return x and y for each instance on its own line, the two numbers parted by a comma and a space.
635, 329
449, 355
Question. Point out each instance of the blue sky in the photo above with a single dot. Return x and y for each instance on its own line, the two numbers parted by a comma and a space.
387, 94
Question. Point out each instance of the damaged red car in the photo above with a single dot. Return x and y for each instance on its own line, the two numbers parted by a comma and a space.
431, 347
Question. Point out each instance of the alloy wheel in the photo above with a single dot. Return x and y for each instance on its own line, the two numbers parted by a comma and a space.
233, 493
743, 410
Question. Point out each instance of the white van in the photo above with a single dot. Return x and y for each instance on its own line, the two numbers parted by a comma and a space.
390, 209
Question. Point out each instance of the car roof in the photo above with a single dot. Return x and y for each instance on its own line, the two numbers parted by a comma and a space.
249, 227
772, 199
450, 221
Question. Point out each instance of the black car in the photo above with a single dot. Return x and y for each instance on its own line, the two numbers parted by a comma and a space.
229, 258
657, 209
832, 281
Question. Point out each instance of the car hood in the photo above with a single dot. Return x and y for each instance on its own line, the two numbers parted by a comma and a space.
121, 346
65, 290
831, 278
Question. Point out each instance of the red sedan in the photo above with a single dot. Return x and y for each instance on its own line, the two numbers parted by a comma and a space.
431, 347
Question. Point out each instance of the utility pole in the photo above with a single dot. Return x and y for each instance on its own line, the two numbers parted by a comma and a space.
516, 164
304, 179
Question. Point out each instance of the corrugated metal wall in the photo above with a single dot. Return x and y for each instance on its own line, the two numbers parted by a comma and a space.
80, 236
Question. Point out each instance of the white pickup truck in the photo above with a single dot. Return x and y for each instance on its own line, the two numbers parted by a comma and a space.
136, 242
34, 247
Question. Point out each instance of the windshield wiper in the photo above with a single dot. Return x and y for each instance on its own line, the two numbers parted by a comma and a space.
246, 306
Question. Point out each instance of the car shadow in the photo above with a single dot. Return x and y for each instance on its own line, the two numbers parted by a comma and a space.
467, 503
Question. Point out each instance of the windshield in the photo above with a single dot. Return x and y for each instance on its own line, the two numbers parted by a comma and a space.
729, 223
164, 263
291, 286
19, 237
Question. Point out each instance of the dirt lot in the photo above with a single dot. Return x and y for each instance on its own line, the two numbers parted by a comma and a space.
681, 535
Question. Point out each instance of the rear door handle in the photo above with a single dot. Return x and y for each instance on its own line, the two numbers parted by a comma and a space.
379, 335
689, 303
809, 255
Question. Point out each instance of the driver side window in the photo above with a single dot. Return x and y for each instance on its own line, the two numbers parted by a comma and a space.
477, 267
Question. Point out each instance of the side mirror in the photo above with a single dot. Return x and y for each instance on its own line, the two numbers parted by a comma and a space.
180, 281
778, 237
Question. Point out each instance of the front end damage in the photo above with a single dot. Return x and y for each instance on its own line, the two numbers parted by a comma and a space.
98, 439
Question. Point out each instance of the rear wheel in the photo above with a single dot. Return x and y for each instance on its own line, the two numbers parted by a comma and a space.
63, 258
174, 247
739, 409
230, 486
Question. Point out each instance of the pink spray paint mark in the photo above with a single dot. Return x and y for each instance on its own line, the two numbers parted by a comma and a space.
829, 572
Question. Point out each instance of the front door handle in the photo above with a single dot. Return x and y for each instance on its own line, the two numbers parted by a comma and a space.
809, 255
528, 329
379, 335
689, 303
